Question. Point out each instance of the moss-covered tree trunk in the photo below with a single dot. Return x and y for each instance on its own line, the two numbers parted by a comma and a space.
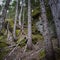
46, 33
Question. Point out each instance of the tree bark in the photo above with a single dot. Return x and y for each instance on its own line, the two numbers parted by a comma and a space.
23, 21
46, 33
29, 43
15, 21
20, 13
58, 22
3, 16
18, 8
55, 8
8, 31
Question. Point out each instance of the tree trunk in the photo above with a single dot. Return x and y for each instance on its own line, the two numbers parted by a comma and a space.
29, 43
4, 11
15, 21
23, 22
18, 8
8, 31
46, 33
55, 8
20, 13
58, 22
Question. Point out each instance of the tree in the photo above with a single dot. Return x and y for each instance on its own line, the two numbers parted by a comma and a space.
20, 13
55, 7
8, 31
29, 43
23, 18
58, 21
46, 33
3, 16
15, 21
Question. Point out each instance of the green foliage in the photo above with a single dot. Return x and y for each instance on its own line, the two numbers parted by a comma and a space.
49, 14
3, 44
34, 40
2, 38
14, 3
35, 3
2, 32
34, 29
11, 10
22, 43
37, 37
17, 32
36, 11
3, 53
42, 54
11, 22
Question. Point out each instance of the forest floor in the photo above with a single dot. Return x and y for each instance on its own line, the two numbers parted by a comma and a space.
20, 54
37, 53
17, 52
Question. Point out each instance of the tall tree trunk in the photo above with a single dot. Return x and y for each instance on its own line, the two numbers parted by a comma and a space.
23, 17
23, 21
18, 8
4, 11
55, 12
8, 31
29, 43
46, 33
15, 21
58, 22
20, 13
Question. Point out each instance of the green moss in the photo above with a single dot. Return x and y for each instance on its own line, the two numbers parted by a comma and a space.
22, 43
3, 53
3, 31
41, 54
3, 38
36, 11
37, 36
34, 40
3, 44
3, 41
17, 32
11, 22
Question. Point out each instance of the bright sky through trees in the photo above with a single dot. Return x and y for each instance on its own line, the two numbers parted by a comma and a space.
0, 1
